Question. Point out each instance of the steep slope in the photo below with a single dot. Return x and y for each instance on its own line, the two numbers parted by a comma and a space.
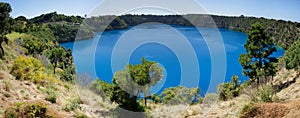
59, 98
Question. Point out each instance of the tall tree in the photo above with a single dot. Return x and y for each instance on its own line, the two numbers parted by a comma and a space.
5, 9
258, 62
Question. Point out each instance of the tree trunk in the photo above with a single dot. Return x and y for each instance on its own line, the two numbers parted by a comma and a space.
2, 50
257, 83
145, 101
55, 64
272, 80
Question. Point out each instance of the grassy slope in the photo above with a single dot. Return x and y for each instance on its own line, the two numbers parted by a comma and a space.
286, 102
14, 91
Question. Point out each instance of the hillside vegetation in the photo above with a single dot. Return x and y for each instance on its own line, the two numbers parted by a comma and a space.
38, 77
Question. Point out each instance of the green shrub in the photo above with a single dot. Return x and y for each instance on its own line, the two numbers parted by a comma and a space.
27, 110
51, 98
248, 110
292, 57
230, 89
82, 116
51, 95
73, 104
264, 94
7, 85
156, 99
67, 87
7, 95
180, 95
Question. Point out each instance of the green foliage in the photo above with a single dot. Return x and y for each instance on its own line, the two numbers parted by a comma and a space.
104, 23
64, 32
257, 62
7, 95
27, 110
102, 88
264, 94
292, 57
73, 104
34, 45
248, 110
54, 17
82, 116
51, 95
125, 93
180, 95
61, 58
284, 33
63, 28
156, 98
20, 24
230, 89
7, 85
5, 23
148, 73
29, 68
49, 52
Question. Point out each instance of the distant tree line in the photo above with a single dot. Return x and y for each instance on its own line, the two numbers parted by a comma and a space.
70, 28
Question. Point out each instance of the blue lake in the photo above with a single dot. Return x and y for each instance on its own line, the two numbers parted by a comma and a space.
190, 56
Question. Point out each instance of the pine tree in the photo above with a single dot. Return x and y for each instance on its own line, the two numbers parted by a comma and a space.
258, 62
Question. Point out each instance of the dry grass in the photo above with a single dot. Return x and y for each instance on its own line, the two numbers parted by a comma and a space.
25, 91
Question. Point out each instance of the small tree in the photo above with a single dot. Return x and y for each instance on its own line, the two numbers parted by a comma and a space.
257, 62
230, 89
125, 93
56, 55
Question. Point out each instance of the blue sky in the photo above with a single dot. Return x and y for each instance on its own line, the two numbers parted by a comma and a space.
277, 9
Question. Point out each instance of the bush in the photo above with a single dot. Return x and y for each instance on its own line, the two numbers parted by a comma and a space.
180, 95
230, 89
156, 99
81, 116
51, 96
73, 104
7, 95
27, 110
7, 85
249, 110
29, 68
263, 94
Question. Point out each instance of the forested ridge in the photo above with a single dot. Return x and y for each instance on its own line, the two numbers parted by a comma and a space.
284, 33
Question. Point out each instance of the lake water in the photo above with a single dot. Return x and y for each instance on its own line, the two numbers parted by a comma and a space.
190, 56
